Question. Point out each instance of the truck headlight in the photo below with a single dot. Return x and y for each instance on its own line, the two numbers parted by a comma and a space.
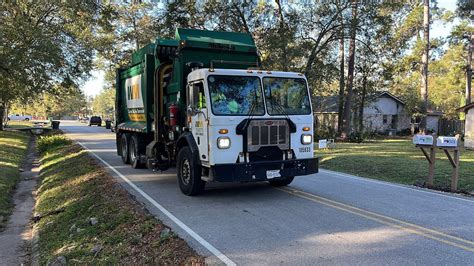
223, 142
306, 139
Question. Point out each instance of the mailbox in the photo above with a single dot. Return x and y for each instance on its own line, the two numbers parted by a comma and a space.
449, 142
423, 139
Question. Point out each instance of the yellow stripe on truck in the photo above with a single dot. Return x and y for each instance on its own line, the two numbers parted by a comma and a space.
137, 117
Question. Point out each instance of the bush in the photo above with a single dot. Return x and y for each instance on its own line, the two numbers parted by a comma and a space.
50, 142
325, 133
404, 132
356, 137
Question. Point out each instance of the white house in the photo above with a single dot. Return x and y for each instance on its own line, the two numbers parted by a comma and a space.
469, 125
383, 112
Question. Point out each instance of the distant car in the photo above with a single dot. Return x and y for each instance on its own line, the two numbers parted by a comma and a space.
18, 117
95, 120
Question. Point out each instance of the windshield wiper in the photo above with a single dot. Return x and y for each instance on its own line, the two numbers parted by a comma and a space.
279, 107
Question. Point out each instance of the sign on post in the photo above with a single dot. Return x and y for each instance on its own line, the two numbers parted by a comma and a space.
427, 141
447, 144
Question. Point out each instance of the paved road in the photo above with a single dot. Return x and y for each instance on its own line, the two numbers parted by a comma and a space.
327, 218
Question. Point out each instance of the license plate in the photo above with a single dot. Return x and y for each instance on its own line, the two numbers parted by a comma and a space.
273, 173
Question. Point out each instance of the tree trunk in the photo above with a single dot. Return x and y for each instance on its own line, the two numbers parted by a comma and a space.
469, 69
350, 75
424, 74
2, 115
241, 15
341, 81
362, 103
282, 32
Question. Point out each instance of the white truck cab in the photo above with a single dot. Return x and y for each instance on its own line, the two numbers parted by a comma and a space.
251, 125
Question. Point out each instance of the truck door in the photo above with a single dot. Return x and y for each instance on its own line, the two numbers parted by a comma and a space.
199, 123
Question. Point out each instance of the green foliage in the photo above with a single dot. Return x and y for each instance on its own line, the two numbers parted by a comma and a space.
447, 84
103, 104
59, 41
465, 8
356, 137
51, 142
325, 133
44, 47
63, 102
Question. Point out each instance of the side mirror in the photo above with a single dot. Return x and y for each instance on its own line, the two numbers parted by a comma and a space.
191, 111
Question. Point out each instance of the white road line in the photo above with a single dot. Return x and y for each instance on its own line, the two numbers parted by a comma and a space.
391, 185
183, 226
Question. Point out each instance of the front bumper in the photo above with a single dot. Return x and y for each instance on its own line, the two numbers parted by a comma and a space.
257, 171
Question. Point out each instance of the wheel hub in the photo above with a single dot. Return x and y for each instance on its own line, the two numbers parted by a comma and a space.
186, 172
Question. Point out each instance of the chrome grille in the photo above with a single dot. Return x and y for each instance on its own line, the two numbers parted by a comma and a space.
263, 133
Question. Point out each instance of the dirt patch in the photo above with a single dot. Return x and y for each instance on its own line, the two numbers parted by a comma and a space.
15, 239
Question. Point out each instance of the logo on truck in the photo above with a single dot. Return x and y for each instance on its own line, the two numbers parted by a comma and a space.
133, 92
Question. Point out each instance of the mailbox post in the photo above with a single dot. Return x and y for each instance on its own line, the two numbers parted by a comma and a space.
427, 142
448, 144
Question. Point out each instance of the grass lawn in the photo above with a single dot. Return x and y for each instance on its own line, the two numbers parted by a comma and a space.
13, 147
19, 124
396, 161
74, 189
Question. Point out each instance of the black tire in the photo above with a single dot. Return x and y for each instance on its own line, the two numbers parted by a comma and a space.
27, 119
135, 149
282, 182
189, 173
124, 147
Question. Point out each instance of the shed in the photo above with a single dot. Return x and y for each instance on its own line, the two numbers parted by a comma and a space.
432, 120
469, 125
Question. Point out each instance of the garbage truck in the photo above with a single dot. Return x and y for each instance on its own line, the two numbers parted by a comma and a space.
202, 103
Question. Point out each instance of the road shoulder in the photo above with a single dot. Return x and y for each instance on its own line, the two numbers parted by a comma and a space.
85, 216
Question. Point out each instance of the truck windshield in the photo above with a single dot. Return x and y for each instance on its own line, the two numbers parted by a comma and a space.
286, 96
236, 95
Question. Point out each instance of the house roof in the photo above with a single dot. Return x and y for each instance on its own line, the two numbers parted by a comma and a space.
390, 95
330, 104
327, 104
465, 107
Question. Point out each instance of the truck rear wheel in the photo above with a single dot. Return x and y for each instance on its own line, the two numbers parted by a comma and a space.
189, 173
124, 147
282, 182
135, 149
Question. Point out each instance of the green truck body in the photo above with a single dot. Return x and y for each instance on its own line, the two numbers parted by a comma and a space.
212, 49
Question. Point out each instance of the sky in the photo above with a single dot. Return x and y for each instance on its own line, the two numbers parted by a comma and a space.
96, 82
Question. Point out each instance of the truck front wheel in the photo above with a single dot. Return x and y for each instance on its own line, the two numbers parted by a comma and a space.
282, 182
189, 173
124, 147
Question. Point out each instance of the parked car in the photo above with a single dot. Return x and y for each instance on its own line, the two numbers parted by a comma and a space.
95, 120
18, 117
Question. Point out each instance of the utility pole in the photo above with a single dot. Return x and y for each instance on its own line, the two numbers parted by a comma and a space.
424, 60
469, 68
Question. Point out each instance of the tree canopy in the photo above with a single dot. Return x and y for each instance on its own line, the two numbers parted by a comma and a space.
52, 47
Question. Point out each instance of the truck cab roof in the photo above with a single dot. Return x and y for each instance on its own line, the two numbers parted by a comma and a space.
202, 73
